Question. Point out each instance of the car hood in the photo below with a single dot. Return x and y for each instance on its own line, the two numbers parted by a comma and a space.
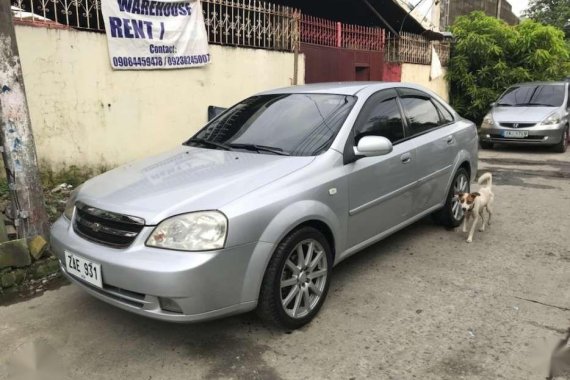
522, 114
185, 180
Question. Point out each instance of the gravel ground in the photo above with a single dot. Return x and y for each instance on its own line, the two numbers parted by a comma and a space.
422, 304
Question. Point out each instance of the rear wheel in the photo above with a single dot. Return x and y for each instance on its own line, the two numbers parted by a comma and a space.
451, 215
486, 145
563, 144
297, 279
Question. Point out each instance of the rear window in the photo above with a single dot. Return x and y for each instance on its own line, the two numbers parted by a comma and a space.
533, 95
446, 116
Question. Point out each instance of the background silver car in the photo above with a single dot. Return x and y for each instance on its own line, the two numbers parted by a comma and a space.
256, 209
529, 113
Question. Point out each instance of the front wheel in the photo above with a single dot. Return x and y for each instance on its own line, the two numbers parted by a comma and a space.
451, 215
563, 144
297, 279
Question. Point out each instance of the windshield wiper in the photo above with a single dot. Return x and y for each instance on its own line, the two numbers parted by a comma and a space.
209, 143
260, 148
535, 105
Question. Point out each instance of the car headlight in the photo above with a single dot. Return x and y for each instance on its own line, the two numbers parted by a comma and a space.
198, 231
70, 205
553, 119
487, 122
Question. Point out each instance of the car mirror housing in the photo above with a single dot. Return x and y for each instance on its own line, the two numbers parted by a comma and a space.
373, 146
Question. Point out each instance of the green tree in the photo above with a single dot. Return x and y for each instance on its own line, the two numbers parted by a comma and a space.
549, 12
490, 56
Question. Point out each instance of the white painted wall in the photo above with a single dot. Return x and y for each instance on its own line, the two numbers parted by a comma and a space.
419, 74
84, 113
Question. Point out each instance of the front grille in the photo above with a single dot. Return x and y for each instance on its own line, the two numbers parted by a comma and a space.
105, 227
517, 125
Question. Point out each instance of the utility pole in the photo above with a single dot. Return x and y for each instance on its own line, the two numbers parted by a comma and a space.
17, 141
499, 4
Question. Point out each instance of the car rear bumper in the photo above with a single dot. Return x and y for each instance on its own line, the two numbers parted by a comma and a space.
535, 137
148, 281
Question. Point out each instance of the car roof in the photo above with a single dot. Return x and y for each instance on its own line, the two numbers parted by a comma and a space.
341, 88
541, 83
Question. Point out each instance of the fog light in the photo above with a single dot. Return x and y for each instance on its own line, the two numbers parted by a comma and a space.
488, 136
169, 305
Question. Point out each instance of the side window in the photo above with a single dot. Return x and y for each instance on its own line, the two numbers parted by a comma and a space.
421, 114
446, 116
381, 118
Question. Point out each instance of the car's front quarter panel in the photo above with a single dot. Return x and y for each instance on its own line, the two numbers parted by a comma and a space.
250, 217
315, 193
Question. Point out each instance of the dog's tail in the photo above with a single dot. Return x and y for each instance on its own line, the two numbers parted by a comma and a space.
487, 179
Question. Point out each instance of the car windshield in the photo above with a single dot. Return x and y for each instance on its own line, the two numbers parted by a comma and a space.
550, 95
287, 124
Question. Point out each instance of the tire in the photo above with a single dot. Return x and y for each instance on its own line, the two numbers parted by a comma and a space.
451, 214
563, 144
486, 145
285, 307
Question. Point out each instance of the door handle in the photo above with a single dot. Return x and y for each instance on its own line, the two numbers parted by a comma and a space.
450, 140
406, 158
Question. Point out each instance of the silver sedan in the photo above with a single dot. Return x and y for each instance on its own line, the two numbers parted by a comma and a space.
254, 210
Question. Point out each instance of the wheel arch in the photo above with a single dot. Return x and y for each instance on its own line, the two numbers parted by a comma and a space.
467, 160
297, 215
464, 161
467, 166
323, 228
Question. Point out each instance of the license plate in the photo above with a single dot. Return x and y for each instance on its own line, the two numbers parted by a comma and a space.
86, 270
516, 134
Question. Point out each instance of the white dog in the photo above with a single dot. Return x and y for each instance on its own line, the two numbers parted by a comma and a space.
473, 205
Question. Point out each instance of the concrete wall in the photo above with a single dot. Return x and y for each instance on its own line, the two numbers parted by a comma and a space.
452, 9
84, 113
420, 74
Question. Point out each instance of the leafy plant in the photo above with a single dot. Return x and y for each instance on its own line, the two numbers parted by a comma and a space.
489, 56
549, 12
55, 201
71, 175
4, 189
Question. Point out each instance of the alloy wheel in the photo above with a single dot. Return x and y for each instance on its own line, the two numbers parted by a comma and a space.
461, 185
304, 278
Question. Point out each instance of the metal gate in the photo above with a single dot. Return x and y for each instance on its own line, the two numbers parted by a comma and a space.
340, 52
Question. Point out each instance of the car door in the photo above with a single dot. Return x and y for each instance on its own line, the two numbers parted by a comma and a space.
432, 128
380, 188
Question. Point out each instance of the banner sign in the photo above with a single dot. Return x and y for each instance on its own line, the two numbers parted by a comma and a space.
155, 34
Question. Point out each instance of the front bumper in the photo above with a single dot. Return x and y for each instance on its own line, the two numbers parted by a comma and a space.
536, 136
205, 285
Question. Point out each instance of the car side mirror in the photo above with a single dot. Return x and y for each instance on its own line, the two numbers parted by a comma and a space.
373, 146
214, 112
493, 104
